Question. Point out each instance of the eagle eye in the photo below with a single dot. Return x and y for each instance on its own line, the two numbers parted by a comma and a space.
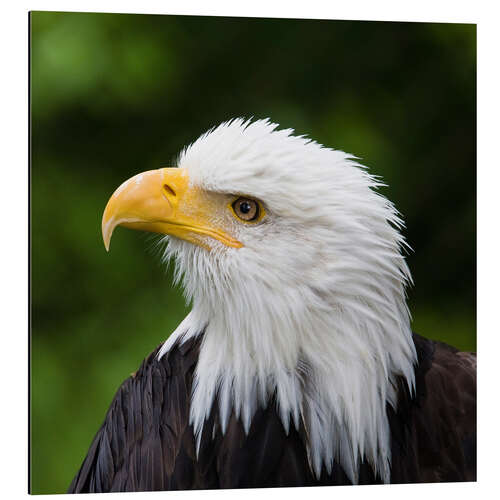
246, 209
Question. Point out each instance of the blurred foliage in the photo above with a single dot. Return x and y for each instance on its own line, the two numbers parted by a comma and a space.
114, 94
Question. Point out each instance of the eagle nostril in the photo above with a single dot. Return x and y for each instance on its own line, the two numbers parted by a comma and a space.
168, 190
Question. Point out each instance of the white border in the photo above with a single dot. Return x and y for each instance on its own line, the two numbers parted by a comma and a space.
13, 199
425, 10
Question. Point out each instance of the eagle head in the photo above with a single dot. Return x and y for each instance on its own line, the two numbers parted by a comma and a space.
292, 262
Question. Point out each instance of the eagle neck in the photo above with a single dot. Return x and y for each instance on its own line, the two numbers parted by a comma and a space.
325, 363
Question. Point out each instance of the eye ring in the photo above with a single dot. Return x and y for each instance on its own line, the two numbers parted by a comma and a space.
247, 209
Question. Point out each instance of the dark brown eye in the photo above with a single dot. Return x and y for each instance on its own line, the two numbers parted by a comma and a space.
246, 209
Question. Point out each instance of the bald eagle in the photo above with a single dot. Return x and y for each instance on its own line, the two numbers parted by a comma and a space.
296, 365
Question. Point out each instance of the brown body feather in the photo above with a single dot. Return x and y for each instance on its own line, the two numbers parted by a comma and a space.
146, 442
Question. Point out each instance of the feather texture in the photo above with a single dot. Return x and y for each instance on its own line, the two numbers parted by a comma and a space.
146, 442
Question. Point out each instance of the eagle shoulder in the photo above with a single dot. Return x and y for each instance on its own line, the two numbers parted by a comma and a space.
145, 442
434, 431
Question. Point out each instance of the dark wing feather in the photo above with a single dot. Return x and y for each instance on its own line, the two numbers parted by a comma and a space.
141, 445
434, 432
266, 457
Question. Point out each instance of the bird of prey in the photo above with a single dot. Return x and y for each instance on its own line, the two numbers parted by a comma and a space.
297, 364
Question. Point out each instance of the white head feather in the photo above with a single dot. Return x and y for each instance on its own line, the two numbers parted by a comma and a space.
312, 308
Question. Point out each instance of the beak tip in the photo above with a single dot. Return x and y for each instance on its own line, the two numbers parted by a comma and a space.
107, 231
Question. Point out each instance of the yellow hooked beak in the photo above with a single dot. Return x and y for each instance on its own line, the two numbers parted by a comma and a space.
162, 201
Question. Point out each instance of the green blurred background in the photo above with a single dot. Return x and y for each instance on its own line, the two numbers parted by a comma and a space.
113, 95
